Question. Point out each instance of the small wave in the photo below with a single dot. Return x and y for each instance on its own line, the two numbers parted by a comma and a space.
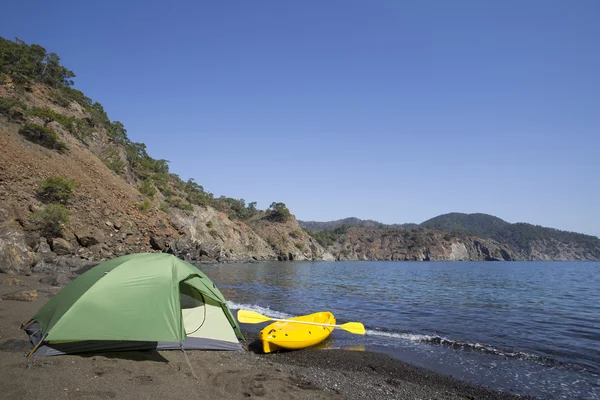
436, 339
259, 309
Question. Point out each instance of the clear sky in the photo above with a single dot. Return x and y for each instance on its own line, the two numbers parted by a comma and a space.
389, 110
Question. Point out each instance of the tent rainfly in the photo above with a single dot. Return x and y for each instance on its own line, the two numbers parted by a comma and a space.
134, 302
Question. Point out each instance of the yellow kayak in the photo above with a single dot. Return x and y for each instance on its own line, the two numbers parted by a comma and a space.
293, 336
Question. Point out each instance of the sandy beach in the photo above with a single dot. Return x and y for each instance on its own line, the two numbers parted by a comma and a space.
309, 374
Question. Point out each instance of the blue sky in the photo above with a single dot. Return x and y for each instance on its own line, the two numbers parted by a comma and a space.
387, 110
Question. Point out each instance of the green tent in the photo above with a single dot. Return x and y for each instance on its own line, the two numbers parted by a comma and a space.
138, 301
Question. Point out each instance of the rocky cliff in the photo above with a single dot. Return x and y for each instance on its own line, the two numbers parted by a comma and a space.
416, 245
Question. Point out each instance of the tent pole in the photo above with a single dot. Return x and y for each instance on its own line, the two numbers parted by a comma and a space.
36, 347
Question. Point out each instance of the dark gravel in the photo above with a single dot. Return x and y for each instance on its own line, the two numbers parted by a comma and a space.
369, 375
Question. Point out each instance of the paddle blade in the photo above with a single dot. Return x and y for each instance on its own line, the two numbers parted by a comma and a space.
251, 317
353, 327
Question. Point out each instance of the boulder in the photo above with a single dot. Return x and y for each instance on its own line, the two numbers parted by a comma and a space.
72, 263
100, 251
33, 241
43, 266
58, 279
89, 237
158, 243
15, 257
43, 247
61, 247
23, 295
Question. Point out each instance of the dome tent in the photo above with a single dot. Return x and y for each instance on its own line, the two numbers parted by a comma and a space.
138, 301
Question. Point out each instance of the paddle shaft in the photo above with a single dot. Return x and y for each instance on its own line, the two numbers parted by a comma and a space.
304, 322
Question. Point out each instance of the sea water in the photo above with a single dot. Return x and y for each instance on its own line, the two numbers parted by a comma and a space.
529, 328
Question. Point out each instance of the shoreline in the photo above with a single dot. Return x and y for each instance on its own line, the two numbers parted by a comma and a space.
304, 374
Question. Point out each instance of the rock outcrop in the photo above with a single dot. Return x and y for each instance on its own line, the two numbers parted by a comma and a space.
416, 245
15, 256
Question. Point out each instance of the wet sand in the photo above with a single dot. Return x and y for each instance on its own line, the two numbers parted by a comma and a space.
326, 374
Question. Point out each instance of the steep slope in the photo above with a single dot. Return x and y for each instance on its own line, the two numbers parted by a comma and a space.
122, 200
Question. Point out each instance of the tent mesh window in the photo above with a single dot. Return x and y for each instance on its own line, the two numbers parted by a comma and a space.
189, 297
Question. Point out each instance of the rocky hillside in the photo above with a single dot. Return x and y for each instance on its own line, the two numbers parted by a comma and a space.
415, 244
528, 242
518, 241
75, 190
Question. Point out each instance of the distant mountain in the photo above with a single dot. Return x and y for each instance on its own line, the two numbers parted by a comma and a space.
530, 241
317, 226
524, 241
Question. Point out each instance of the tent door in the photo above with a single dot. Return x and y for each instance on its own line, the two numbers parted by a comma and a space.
193, 309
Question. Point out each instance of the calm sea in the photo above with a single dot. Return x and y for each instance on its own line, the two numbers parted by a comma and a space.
530, 328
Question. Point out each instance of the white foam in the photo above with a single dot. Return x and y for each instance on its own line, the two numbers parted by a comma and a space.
262, 310
434, 339
413, 337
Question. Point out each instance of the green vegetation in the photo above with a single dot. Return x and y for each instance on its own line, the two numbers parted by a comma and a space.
28, 64
329, 237
164, 207
76, 127
25, 64
209, 224
56, 189
279, 212
113, 160
48, 115
519, 235
236, 209
144, 205
299, 246
50, 220
43, 136
178, 203
12, 108
147, 188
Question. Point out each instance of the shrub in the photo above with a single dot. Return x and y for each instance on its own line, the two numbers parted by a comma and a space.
43, 136
81, 129
51, 219
209, 224
296, 234
112, 159
9, 107
147, 189
299, 246
56, 189
164, 207
144, 205
177, 203
49, 115
279, 212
